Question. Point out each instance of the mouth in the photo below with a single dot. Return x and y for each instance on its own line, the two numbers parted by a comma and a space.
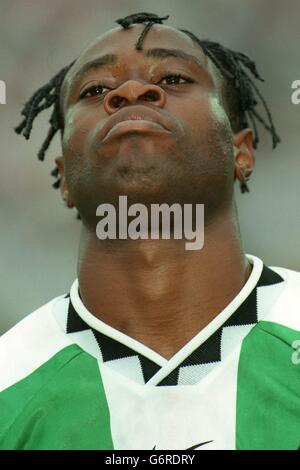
133, 119
134, 126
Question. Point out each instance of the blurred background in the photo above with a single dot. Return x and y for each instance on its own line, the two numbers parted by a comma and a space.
38, 236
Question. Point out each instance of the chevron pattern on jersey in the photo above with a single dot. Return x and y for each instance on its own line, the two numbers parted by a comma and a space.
113, 351
212, 351
200, 362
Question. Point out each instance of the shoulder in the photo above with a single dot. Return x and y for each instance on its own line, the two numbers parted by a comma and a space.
286, 310
32, 342
287, 274
39, 364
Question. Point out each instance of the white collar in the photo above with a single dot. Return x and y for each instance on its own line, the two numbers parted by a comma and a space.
167, 366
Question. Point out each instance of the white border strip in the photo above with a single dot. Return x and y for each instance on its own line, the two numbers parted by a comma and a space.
107, 330
214, 325
168, 365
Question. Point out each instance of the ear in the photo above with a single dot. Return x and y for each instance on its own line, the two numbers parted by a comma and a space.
63, 183
244, 154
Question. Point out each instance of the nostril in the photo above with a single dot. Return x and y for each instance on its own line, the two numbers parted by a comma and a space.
134, 93
151, 95
116, 101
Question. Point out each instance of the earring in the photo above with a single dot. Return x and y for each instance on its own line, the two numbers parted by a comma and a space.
244, 187
67, 199
245, 175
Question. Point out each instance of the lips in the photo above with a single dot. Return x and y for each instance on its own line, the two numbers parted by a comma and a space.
135, 118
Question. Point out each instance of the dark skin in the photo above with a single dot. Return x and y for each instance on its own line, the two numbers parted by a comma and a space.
154, 290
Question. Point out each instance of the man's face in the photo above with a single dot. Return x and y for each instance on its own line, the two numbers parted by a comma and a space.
145, 124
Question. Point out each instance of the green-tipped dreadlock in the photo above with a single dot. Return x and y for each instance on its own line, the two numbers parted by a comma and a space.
241, 91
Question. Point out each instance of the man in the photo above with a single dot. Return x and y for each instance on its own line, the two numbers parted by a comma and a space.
155, 345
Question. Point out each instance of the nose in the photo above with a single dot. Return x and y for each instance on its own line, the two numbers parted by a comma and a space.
133, 92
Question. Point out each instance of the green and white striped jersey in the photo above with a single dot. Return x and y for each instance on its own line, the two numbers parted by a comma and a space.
70, 381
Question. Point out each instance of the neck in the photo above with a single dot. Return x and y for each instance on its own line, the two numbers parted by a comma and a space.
157, 292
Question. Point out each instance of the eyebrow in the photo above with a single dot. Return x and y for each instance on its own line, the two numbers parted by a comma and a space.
156, 53
162, 53
108, 59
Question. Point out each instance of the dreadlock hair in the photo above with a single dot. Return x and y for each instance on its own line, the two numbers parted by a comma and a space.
241, 93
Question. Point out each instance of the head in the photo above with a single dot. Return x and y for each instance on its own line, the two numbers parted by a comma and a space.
194, 130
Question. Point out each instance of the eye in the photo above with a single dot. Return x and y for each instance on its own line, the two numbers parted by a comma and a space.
95, 90
176, 79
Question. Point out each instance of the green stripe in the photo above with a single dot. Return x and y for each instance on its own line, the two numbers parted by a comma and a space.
268, 390
62, 405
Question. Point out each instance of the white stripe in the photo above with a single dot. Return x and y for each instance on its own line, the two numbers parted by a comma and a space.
107, 330
174, 417
214, 325
30, 343
267, 297
286, 310
168, 365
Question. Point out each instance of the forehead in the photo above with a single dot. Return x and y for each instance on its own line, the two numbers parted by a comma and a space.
121, 42
159, 35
